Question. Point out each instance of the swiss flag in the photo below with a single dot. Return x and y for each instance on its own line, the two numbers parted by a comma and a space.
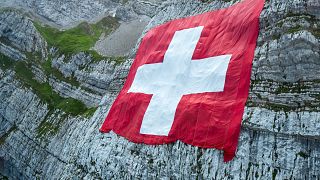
190, 81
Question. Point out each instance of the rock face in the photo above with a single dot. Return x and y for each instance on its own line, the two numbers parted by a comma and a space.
280, 137
19, 34
66, 13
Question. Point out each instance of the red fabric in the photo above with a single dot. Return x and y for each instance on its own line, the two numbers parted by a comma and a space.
208, 120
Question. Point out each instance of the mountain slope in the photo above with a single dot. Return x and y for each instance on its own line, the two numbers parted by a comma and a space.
55, 94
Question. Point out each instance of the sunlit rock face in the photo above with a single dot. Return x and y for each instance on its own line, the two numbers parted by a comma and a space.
53, 99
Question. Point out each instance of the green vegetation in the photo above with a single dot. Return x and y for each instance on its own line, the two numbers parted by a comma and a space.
316, 32
278, 107
294, 29
49, 70
2, 177
286, 87
317, 96
78, 39
46, 93
71, 106
89, 112
47, 128
248, 170
7, 134
118, 59
276, 36
308, 17
6, 62
295, 17
97, 57
303, 154
274, 174
291, 88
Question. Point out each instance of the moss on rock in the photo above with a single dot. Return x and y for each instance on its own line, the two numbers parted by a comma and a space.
78, 39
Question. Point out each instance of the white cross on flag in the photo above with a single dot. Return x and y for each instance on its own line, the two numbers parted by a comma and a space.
190, 81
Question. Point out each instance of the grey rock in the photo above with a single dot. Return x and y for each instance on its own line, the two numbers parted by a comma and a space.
74, 63
66, 13
121, 41
66, 90
18, 31
11, 52
143, 7
280, 130
97, 76
39, 75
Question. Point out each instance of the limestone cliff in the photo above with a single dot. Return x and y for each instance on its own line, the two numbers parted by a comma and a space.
56, 88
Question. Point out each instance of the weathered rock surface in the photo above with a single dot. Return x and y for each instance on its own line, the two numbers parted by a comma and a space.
66, 13
123, 39
11, 52
18, 32
280, 135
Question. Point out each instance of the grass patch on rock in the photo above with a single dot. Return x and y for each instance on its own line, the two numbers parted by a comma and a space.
119, 59
78, 39
89, 112
6, 62
45, 128
45, 92
97, 57
71, 41
298, 87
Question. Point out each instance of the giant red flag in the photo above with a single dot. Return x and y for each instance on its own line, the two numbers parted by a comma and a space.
190, 81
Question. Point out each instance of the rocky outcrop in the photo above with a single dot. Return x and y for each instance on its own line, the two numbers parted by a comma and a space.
66, 13
280, 136
18, 31
11, 52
